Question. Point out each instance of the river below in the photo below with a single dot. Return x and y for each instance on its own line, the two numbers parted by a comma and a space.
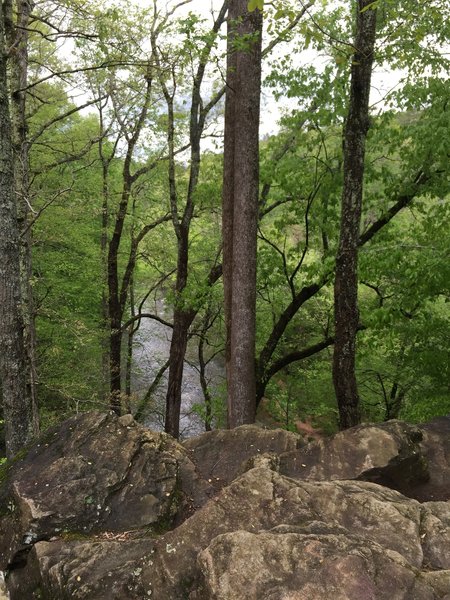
3, 593
151, 350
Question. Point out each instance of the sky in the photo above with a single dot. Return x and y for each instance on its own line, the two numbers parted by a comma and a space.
272, 110
383, 79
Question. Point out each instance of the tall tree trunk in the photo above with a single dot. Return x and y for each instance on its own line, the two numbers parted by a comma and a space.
346, 282
241, 185
115, 306
18, 83
17, 409
105, 162
228, 181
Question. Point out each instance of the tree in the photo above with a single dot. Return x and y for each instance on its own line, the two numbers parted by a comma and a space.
240, 207
110, 199
18, 85
182, 212
346, 278
17, 408
131, 106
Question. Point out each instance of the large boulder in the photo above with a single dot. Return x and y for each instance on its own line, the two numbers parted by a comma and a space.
302, 532
95, 568
96, 472
221, 455
304, 566
386, 453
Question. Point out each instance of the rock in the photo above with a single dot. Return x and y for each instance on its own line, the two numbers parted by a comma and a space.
261, 500
435, 534
299, 566
221, 455
332, 539
96, 472
435, 447
386, 453
157, 528
3, 593
439, 581
76, 569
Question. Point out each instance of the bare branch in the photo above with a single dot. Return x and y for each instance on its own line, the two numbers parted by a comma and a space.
141, 315
67, 114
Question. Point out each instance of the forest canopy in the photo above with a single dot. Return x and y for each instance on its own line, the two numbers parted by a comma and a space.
112, 212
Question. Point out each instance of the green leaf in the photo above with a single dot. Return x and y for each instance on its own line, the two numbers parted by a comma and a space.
253, 4
372, 5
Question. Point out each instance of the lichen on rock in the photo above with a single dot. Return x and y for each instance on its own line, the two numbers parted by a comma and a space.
103, 509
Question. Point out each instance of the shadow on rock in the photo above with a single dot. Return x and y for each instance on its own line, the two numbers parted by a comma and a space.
102, 508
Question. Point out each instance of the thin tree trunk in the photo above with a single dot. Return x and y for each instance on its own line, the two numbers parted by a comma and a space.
115, 310
346, 282
182, 320
131, 331
243, 94
105, 162
204, 385
183, 316
17, 409
394, 402
118, 291
143, 404
207, 323
181, 324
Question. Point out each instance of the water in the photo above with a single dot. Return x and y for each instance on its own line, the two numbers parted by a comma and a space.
151, 350
3, 593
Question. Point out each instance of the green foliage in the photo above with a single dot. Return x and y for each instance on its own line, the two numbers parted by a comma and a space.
255, 4
404, 271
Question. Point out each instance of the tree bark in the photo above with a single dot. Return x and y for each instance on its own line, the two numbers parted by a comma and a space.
18, 83
228, 182
17, 409
115, 308
181, 323
346, 281
105, 162
240, 197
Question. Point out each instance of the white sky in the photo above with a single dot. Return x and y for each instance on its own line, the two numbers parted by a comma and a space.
382, 81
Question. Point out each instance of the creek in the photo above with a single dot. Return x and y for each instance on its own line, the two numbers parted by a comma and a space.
150, 352
3, 593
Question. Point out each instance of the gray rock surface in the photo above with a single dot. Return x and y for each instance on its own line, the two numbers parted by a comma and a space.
253, 533
435, 447
221, 455
96, 472
385, 453
299, 566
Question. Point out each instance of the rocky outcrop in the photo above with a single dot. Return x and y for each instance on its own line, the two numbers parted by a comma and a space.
256, 534
386, 453
220, 455
94, 473
435, 447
